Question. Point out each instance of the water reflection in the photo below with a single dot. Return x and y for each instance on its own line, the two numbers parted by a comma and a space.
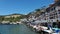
15, 29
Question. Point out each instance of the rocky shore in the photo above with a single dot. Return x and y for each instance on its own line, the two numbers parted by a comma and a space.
9, 23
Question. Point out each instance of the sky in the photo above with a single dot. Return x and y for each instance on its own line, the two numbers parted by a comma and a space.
21, 6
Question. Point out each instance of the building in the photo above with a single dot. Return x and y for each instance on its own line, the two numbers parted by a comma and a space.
52, 13
49, 14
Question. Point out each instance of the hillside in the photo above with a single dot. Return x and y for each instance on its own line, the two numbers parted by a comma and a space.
37, 12
12, 17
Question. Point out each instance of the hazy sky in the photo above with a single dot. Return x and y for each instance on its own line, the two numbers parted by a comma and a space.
21, 6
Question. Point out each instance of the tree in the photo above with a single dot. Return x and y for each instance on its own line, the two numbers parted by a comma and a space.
37, 10
37, 13
1, 18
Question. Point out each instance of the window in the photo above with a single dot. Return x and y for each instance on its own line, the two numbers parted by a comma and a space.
52, 9
59, 11
55, 13
58, 25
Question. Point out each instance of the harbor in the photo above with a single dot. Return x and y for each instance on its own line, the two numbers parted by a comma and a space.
45, 20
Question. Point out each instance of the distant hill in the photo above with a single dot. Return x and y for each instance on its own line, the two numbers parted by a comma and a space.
12, 17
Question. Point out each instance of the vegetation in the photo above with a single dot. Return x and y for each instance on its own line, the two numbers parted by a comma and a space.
11, 19
37, 12
1, 18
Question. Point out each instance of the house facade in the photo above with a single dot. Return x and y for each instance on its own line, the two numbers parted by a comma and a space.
51, 13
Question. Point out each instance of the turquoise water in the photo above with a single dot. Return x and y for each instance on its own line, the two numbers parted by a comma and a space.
15, 29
